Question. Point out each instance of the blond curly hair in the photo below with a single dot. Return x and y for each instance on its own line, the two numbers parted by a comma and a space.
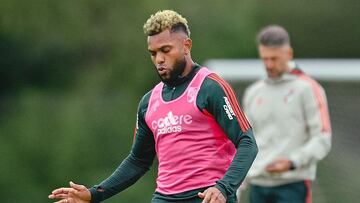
166, 19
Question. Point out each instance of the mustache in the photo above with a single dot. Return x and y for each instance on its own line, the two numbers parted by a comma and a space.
175, 73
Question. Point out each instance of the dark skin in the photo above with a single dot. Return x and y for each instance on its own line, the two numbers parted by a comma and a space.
170, 53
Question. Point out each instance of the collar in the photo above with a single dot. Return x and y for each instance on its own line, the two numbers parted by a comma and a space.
293, 73
194, 69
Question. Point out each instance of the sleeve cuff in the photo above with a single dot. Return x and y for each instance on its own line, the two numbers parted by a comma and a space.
222, 190
96, 194
295, 161
292, 166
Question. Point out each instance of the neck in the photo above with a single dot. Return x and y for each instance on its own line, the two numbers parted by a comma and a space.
187, 73
189, 64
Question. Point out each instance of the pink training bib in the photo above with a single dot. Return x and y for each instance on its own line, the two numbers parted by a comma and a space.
192, 149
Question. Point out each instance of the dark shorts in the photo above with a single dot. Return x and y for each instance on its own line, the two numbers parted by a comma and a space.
298, 192
158, 198
186, 197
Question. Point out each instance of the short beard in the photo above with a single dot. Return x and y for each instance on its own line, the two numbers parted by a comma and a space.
176, 73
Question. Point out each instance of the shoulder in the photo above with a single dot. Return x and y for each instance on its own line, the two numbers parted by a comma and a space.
144, 102
210, 82
214, 88
146, 97
307, 83
214, 82
254, 87
211, 91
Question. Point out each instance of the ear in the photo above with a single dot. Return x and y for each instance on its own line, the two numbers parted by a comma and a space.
187, 46
291, 53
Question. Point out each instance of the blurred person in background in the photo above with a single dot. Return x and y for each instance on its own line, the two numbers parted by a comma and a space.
191, 120
289, 114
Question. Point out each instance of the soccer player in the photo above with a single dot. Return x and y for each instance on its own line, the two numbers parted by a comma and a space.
191, 120
289, 114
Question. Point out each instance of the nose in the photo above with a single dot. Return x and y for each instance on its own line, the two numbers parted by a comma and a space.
269, 64
159, 58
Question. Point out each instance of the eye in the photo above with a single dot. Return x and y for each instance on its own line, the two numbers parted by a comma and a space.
152, 53
165, 49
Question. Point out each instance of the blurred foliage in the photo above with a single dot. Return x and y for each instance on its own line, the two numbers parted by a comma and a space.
73, 72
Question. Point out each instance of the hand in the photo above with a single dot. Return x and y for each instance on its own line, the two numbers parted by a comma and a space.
73, 194
278, 166
212, 195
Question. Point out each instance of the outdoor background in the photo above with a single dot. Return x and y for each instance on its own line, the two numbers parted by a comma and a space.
72, 74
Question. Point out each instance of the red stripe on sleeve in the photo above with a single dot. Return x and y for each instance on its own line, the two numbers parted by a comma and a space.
135, 131
229, 92
322, 105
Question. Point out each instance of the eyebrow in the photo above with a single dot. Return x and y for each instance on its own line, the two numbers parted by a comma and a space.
165, 46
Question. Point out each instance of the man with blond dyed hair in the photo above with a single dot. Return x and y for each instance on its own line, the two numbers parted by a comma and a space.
191, 120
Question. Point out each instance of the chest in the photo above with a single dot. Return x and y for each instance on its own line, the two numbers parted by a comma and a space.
277, 103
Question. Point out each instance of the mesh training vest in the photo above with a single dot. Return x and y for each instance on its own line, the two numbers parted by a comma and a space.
192, 149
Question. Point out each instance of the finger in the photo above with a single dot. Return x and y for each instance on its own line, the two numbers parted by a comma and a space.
214, 200
65, 194
270, 170
207, 198
63, 201
63, 190
58, 196
272, 167
77, 186
201, 195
